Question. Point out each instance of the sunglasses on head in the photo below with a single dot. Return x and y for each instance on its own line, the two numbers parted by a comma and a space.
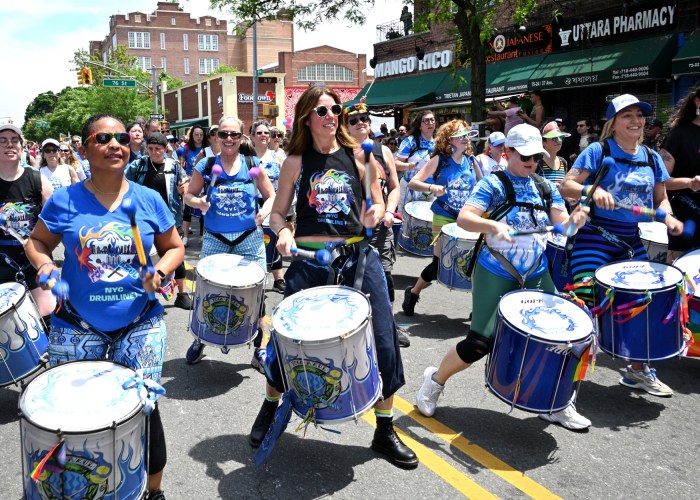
322, 111
222, 134
524, 158
355, 119
122, 138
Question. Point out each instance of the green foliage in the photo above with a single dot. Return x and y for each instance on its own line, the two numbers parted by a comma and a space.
41, 105
171, 81
224, 69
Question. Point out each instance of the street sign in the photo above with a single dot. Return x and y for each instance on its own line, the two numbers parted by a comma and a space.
155, 116
112, 82
259, 72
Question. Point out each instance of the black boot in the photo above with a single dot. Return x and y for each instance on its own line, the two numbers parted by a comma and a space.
387, 442
262, 422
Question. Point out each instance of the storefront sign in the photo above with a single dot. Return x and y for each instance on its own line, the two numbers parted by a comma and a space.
614, 25
515, 44
268, 96
407, 65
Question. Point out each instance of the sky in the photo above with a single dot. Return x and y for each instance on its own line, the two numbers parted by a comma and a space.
42, 35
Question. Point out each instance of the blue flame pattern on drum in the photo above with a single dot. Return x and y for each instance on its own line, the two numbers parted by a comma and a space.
620, 277
547, 319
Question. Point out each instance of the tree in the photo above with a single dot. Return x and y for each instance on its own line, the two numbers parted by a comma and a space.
474, 21
224, 69
41, 105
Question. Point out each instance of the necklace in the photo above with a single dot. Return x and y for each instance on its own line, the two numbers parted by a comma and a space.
102, 192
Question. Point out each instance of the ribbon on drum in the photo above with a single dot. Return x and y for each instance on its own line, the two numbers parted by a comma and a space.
625, 312
53, 461
147, 390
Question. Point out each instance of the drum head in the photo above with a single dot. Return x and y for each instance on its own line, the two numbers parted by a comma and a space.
320, 313
546, 316
230, 270
453, 230
11, 294
638, 275
653, 231
420, 210
689, 263
80, 396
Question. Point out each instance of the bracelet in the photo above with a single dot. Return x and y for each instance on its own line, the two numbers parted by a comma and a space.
46, 264
430, 188
278, 232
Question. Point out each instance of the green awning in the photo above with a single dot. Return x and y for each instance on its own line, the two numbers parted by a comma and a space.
646, 59
687, 61
455, 88
416, 89
202, 122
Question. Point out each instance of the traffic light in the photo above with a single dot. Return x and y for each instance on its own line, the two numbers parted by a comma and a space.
85, 76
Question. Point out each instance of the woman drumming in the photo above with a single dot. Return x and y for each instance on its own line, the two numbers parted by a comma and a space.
321, 148
611, 234
52, 167
681, 155
453, 170
95, 323
233, 222
414, 152
506, 263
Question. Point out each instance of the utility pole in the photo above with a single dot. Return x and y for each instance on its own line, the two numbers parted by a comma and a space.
154, 70
255, 69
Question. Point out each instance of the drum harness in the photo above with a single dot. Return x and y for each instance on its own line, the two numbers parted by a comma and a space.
443, 161
500, 211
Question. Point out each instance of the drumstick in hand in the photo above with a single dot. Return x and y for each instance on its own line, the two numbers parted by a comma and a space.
367, 147
215, 173
659, 215
322, 256
54, 283
608, 163
130, 209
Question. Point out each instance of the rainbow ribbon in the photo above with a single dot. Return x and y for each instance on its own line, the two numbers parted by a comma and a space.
54, 461
629, 310
606, 304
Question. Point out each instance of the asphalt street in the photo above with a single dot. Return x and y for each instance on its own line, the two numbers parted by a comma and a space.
639, 446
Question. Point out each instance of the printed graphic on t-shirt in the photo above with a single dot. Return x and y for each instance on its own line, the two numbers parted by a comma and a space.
330, 194
633, 187
107, 253
20, 217
458, 191
230, 200
272, 169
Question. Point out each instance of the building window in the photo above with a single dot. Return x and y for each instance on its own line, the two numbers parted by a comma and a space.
164, 64
139, 40
209, 43
137, 18
185, 42
143, 63
206, 66
324, 73
173, 22
114, 41
162, 41
187, 65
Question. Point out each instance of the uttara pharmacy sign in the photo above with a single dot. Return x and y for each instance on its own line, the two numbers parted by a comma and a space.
411, 64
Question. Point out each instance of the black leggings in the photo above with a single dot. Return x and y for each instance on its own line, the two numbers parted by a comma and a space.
157, 452
431, 270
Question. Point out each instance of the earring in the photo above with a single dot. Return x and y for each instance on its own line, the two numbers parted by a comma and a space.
454, 150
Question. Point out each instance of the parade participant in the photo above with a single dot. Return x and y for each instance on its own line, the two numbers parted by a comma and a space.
320, 146
681, 155
414, 152
231, 228
165, 176
90, 218
23, 191
214, 148
137, 147
453, 169
553, 167
611, 234
260, 138
52, 167
276, 137
492, 158
190, 154
497, 271
68, 157
357, 121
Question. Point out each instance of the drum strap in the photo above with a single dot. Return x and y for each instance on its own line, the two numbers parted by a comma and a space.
19, 276
453, 213
522, 278
612, 238
223, 239
67, 314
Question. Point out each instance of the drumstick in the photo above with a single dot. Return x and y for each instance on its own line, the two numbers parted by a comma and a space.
322, 256
54, 283
659, 215
254, 173
608, 163
10, 230
130, 209
367, 147
216, 171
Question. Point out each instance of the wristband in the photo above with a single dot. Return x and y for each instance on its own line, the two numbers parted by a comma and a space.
430, 188
278, 232
46, 264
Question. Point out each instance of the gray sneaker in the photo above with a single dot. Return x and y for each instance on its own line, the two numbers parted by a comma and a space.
568, 418
646, 380
428, 394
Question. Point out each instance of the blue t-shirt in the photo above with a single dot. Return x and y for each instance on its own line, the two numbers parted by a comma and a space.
628, 185
191, 157
459, 179
523, 253
418, 155
233, 200
101, 264
272, 169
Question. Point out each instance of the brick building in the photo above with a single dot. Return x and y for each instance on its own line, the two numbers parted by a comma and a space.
190, 48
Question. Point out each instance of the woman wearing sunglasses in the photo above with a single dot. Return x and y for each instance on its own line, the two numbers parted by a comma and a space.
612, 234
506, 263
233, 221
260, 138
452, 169
276, 138
108, 314
553, 167
323, 157
190, 154
414, 152
68, 157
58, 173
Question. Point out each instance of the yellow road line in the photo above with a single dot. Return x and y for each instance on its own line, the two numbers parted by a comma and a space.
495, 465
442, 468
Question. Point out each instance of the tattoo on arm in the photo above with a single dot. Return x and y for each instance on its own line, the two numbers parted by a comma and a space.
573, 173
665, 156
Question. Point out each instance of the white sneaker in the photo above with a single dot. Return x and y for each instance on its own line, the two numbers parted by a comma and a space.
429, 392
646, 380
185, 241
568, 417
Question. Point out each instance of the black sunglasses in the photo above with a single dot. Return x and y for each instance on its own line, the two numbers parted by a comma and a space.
524, 158
353, 121
225, 135
50, 150
122, 138
276, 135
322, 111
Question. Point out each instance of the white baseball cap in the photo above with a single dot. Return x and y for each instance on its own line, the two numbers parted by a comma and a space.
624, 101
12, 128
526, 140
50, 141
497, 138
